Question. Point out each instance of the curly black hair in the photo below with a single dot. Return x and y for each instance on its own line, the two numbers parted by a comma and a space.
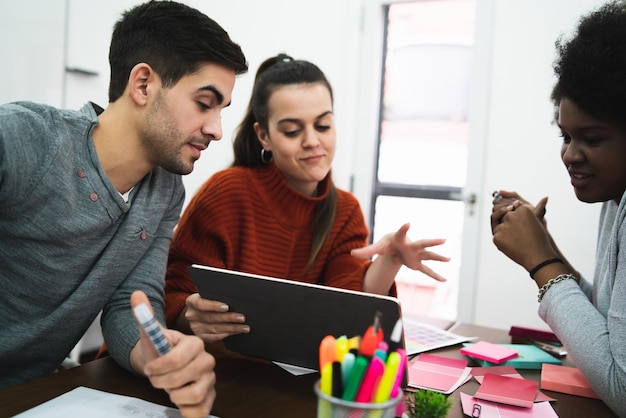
591, 66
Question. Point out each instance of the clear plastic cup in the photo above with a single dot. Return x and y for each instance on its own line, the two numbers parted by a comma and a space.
331, 407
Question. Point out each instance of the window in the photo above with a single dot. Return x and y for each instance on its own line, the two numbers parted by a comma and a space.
423, 140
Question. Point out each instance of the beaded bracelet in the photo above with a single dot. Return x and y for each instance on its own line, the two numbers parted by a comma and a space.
557, 279
542, 265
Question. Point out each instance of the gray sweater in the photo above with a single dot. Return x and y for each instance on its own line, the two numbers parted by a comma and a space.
590, 320
69, 244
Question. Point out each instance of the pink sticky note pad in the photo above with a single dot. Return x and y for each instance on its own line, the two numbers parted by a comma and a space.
509, 371
493, 353
566, 380
507, 390
479, 372
435, 372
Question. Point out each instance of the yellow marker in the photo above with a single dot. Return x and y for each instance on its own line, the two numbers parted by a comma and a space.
326, 376
354, 342
342, 347
389, 377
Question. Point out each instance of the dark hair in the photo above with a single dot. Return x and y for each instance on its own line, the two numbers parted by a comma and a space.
174, 39
590, 67
274, 73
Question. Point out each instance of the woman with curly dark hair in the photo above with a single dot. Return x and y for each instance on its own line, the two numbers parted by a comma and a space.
589, 317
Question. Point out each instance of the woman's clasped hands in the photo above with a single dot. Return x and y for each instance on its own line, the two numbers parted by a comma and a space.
519, 229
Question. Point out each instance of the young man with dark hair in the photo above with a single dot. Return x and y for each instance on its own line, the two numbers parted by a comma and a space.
89, 200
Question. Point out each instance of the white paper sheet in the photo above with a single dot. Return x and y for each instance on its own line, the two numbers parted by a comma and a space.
86, 402
294, 370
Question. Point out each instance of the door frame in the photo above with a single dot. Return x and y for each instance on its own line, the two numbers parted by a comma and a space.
366, 146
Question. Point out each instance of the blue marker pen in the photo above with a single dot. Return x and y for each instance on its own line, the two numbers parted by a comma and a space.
152, 329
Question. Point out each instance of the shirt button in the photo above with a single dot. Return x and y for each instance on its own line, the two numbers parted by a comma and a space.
93, 197
81, 173
144, 235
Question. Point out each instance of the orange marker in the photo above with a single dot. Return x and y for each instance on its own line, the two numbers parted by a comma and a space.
328, 351
373, 336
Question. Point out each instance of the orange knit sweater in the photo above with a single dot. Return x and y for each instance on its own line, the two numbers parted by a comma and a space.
251, 220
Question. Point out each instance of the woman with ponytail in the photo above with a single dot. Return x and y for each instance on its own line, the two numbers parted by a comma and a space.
276, 211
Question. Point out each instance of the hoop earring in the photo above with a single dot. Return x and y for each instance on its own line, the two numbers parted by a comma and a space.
266, 156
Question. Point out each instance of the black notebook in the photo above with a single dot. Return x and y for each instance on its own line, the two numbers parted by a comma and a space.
288, 319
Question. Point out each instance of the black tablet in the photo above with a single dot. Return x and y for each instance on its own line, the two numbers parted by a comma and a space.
289, 319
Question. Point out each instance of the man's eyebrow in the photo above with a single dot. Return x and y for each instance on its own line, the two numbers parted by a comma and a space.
218, 94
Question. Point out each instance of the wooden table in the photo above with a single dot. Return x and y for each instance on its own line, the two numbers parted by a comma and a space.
255, 388
566, 406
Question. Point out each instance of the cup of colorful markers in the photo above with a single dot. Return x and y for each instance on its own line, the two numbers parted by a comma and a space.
361, 376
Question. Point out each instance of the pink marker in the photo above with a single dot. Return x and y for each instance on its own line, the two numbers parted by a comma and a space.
398, 383
370, 381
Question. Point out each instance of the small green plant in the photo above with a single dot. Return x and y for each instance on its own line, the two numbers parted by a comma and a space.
426, 403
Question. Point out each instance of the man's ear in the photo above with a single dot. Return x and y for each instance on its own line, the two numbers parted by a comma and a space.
261, 134
141, 82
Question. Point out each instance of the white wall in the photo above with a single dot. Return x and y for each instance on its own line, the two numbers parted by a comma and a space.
31, 50
325, 32
523, 154
511, 104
